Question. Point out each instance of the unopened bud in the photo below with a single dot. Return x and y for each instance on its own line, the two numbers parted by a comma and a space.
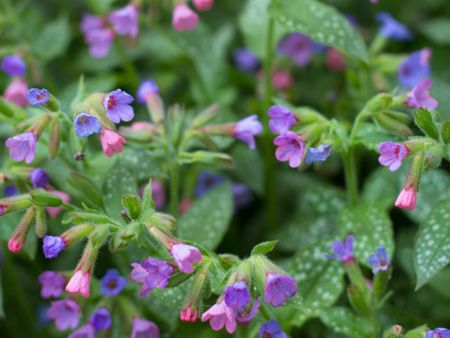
357, 299
206, 116
53, 145
41, 223
76, 233
18, 238
14, 203
206, 157
155, 108
42, 198
165, 222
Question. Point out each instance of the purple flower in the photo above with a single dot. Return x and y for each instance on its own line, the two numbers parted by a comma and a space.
99, 41
52, 284
22, 147
219, 316
117, 105
379, 260
279, 288
243, 317
158, 193
146, 88
419, 96
237, 296
91, 22
65, 313
391, 28
11, 190
86, 331
125, 21
112, 283
246, 130
39, 178
13, 65
245, 60
185, 256
343, 250
281, 119
392, 154
207, 181
290, 147
319, 154
271, 329
86, 124
101, 320
438, 333
52, 246
144, 329
242, 196
298, 47
415, 68
37, 97
152, 273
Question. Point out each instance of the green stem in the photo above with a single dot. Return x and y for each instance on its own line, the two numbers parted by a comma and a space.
174, 188
350, 176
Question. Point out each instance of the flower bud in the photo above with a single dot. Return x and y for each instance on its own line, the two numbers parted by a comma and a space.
155, 108
189, 312
42, 198
53, 144
378, 103
391, 124
164, 222
206, 116
408, 196
41, 223
14, 203
18, 238
357, 299
396, 331
80, 281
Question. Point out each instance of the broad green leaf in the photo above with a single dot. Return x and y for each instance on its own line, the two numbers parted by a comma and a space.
371, 226
445, 132
208, 218
321, 22
87, 187
53, 40
432, 250
424, 120
436, 30
370, 135
263, 248
142, 163
440, 90
343, 320
248, 167
381, 188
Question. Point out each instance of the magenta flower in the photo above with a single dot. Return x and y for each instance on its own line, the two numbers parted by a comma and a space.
112, 283
237, 296
343, 250
86, 331
52, 284
392, 154
65, 313
379, 260
282, 79
117, 106
22, 147
244, 317
281, 119
246, 130
100, 320
125, 20
79, 283
16, 242
16, 92
203, 5
39, 178
185, 256
407, 199
99, 41
152, 273
335, 60
112, 143
54, 211
298, 47
146, 88
144, 329
219, 316
184, 18
279, 288
290, 147
419, 96
13, 65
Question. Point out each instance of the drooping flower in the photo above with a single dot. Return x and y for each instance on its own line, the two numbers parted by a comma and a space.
184, 18
86, 331
297, 47
14, 65
11, 190
189, 314
16, 92
438, 333
100, 320
207, 181
65, 313
22, 147
279, 288
54, 211
146, 88
52, 284
243, 316
99, 41
91, 22
125, 20
185, 256
246, 130
271, 329
343, 250
319, 154
407, 198
39, 178
112, 142
419, 96
158, 193
237, 296
144, 329
415, 68
392, 154
79, 283
38, 97
335, 60
203, 5
152, 273
220, 315
86, 124
112, 283
281, 119
379, 260
117, 106
391, 28
290, 147
282, 79
245, 60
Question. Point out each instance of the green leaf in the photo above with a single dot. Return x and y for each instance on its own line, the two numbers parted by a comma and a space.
370, 135
424, 120
208, 218
439, 91
321, 22
263, 248
371, 226
133, 204
248, 167
2, 308
90, 191
436, 30
445, 132
53, 40
432, 249
343, 320
381, 188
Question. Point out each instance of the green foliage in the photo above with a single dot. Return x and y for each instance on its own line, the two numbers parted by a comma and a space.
342, 320
436, 29
53, 40
424, 120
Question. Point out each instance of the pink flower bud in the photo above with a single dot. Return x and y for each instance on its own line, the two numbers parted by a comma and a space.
335, 60
79, 283
203, 5
16, 92
185, 256
282, 80
184, 18
15, 244
112, 142
188, 314
407, 199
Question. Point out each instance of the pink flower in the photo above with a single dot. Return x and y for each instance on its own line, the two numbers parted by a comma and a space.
22, 147
185, 256
203, 5
392, 154
419, 96
184, 18
189, 314
15, 243
407, 199
290, 147
335, 60
16, 92
220, 315
282, 79
185, 205
112, 142
125, 20
54, 211
79, 283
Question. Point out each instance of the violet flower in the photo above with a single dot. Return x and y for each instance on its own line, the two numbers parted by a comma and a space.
319, 154
290, 147
220, 315
415, 68
100, 320
392, 154
419, 96
391, 28
38, 97
14, 65
117, 106
185, 256
53, 245
246, 130
379, 260
207, 181
281, 119
65, 313
112, 283
86, 331
39, 178
146, 88
237, 295
271, 329
52, 284
343, 250
279, 288
86, 124
99, 41
246, 61
438, 333
298, 47
144, 328
22, 147
125, 20
152, 273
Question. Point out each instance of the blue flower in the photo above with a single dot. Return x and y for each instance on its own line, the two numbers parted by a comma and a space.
86, 124
438, 333
391, 28
237, 296
13, 65
271, 329
112, 283
245, 60
343, 250
37, 97
101, 320
415, 68
379, 260
117, 106
39, 178
319, 154
207, 181
11, 190
146, 88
